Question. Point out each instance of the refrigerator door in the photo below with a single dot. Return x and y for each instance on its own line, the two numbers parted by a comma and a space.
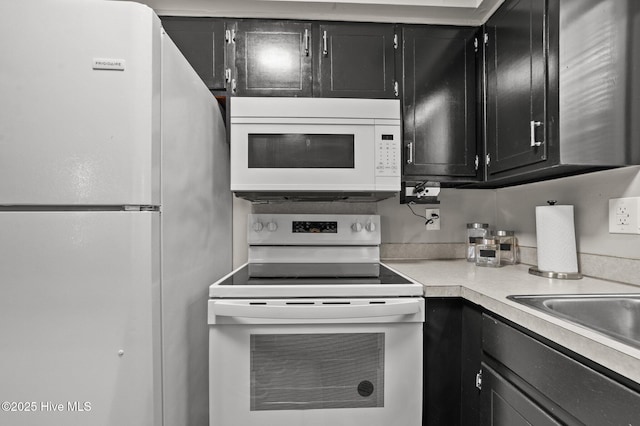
79, 296
80, 103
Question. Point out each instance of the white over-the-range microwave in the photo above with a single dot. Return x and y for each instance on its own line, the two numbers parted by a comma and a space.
315, 148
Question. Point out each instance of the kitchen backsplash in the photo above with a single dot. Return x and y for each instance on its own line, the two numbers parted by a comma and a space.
604, 267
612, 268
422, 251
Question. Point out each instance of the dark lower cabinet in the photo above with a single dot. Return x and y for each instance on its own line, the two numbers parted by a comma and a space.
526, 381
503, 404
452, 349
482, 370
202, 42
439, 93
356, 60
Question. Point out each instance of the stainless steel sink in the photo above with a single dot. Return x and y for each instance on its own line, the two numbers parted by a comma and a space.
615, 315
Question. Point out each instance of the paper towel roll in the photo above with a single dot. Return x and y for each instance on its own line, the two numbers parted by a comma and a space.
556, 238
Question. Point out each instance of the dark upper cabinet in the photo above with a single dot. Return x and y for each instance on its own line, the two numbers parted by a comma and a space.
560, 89
273, 58
356, 60
439, 93
292, 58
515, 61
202, 42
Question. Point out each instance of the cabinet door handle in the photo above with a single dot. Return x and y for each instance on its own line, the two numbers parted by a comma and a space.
306, 42
230, 36
533, 126
410, 153
325, 48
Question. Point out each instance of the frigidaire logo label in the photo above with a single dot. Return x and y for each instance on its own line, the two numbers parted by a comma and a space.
108, 64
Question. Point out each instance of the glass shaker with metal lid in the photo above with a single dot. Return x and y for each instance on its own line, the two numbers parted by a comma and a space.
475, 230
508, 247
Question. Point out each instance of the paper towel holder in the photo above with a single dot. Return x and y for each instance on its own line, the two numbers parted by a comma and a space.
557, 275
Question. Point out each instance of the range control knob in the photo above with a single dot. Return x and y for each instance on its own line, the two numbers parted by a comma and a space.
272, 226
357, 227
257, 226
370, 226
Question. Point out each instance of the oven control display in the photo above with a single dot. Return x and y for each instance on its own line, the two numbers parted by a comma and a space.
304, 227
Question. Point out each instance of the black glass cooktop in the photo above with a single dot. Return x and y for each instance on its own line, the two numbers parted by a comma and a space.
284, 274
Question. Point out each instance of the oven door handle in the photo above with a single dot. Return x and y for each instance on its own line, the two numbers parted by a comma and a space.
311, 310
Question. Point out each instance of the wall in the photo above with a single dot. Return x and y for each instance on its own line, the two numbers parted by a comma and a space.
513, 208
603, 255
613, 256
403, 234
457, 208
589, 194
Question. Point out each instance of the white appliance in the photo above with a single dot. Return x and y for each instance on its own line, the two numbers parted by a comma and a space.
315, 148
112, 220
314, 330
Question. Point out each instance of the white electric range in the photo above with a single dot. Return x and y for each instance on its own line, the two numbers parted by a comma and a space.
314, 330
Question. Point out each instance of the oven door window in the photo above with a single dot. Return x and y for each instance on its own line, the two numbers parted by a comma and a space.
307, 151
317, 371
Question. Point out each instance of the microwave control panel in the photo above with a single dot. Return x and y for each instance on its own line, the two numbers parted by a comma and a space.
387, 152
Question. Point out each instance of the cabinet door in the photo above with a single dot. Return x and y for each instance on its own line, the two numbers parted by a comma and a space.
452, 354
516, 92
503, 404
574, 392
439, 101
273, 58
356, 60
202, 42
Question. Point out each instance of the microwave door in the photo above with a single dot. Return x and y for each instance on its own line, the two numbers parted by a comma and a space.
300, 151
302, 157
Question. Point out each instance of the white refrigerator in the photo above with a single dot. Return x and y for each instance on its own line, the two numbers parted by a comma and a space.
115, 217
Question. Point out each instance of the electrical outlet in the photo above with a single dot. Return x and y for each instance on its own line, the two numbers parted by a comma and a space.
624, 215
433, 219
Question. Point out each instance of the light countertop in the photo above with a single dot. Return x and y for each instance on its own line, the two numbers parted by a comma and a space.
489, 288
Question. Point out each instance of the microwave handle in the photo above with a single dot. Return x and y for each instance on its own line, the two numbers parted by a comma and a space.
316, 311
409, 153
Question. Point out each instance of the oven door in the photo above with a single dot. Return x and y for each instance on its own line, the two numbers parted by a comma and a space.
316, 362
284, 155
